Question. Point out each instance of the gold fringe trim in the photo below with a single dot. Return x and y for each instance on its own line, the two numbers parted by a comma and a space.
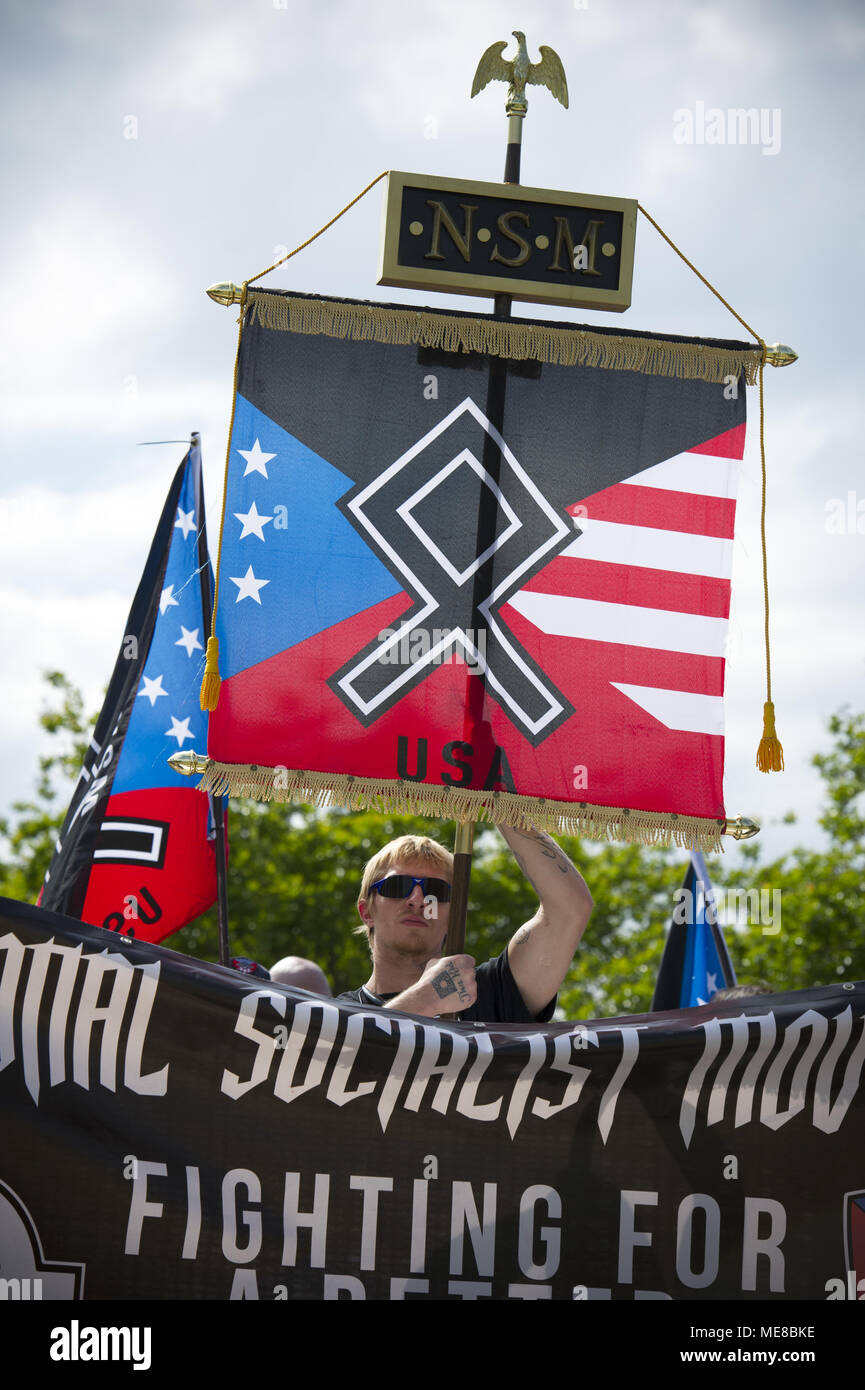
565, 347
326, 789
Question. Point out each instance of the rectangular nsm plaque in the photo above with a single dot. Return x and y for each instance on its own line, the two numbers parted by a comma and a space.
547, 247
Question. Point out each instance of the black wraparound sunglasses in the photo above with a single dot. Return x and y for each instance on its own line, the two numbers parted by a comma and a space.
402, 886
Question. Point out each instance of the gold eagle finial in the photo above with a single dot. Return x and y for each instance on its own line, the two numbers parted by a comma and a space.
519, 73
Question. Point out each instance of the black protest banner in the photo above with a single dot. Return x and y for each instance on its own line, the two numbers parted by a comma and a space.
173, 1131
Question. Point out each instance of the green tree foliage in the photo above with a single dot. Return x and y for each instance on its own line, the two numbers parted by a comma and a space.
818, 935
28, 837
294, 875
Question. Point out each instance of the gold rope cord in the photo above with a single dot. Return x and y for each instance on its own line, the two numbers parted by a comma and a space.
707, 283
770, 753
328, 789
288, 255
211, 680
516, 340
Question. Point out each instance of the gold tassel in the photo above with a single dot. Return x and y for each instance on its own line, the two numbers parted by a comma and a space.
770, 754
211, 682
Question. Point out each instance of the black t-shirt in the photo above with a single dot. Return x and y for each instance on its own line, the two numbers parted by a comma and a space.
499, 999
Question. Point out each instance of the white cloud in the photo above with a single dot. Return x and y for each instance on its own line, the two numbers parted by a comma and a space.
130, 408
59, 544
72, 283
202, 67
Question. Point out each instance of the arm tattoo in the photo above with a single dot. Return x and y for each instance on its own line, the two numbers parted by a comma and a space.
550, 850
522, 863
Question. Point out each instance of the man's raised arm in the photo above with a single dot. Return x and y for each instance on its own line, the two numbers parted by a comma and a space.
541, 951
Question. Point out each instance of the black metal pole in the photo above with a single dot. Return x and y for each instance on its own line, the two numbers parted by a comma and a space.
217, 810
487, 521
502, 302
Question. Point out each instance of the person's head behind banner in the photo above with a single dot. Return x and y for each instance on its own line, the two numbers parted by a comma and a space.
741, 992
300, 973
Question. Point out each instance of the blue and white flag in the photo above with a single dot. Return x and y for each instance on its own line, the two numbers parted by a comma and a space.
695, 963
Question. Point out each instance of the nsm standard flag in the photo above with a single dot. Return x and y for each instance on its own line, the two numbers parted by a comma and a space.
695, 963
136, 853
477, 568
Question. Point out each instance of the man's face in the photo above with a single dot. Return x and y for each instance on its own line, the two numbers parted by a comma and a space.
416, 925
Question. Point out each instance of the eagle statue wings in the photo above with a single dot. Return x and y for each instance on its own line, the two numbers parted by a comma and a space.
519, 72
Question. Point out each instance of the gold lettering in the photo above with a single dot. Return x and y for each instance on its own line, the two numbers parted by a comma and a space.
505, 228
589, 239
461, 240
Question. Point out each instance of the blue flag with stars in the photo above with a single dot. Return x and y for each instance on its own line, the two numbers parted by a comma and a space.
136, 851
695, 963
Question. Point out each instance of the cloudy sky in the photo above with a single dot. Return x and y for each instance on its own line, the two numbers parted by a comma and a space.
150, 150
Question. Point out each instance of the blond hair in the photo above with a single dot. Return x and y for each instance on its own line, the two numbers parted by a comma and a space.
405, 849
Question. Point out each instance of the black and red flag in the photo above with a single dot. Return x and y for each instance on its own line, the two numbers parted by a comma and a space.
375, 642
136, 852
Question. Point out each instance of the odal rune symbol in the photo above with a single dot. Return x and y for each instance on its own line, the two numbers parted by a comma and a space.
420, 516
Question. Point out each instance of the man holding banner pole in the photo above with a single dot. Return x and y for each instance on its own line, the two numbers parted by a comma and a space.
404, 905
